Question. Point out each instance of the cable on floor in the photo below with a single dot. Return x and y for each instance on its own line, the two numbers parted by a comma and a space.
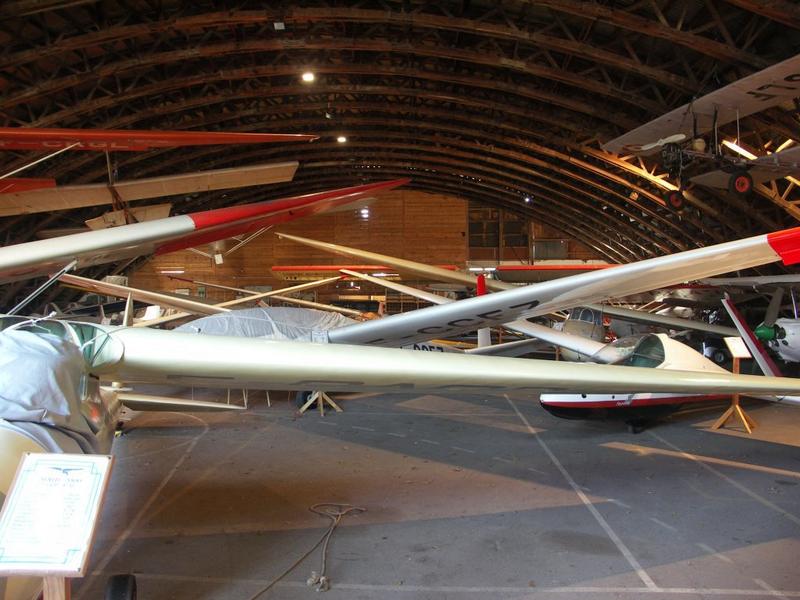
335, 512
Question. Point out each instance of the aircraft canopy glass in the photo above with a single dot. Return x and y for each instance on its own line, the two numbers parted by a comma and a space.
586, 315
648, 351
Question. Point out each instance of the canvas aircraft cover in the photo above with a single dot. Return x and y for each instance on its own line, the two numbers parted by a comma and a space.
40, 382
275, 323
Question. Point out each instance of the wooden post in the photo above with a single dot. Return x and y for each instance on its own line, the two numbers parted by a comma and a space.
56, 588
321, 398
735, 409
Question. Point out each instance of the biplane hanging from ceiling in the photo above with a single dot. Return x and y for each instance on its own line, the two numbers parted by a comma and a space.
23, 196
720, 163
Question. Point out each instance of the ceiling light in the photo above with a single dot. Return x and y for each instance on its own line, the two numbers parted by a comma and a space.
341, 139
785, 145
527, 198
738, 149
279, 25
308, 77
172, 271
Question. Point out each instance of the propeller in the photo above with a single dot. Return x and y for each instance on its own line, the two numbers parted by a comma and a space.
774, 307
670, 139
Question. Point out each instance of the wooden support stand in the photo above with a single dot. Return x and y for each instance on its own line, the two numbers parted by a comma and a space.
735, 410
56, 588
321, 398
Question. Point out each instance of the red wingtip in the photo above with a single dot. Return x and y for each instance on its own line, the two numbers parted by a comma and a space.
787, 244
480, 289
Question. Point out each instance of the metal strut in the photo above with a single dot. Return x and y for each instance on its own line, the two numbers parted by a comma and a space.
42, 287
37, 161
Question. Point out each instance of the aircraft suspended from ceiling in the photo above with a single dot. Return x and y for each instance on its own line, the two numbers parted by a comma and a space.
24, 196
688, 157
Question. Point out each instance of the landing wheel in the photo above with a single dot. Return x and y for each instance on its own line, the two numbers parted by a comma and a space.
121, 587
300, 399
637, 425
675, 200
719, 357
740, 183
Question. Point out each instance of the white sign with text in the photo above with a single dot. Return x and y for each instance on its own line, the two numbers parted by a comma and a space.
49, 517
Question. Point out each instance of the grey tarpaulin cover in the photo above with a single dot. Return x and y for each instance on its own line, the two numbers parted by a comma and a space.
40, 382
275, 323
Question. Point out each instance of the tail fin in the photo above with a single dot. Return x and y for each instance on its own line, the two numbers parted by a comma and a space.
753, 344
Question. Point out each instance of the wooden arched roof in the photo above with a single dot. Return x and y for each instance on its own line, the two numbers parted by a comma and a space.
491, 101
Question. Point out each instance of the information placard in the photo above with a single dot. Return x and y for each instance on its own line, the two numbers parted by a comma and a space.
737, 347
49, 517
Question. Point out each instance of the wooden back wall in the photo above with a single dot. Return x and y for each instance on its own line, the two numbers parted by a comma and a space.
418, 226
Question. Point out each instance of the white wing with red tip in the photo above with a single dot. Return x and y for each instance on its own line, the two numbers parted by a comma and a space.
578, 290
173, 233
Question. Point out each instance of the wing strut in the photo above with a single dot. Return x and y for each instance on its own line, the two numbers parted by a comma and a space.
42, 288
36, 162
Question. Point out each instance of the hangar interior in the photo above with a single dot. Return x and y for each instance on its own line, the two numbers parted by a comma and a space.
496, 117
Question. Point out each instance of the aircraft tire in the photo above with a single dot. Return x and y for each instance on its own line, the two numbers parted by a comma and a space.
719, 357
121, 587
740, 183
300, 399
675, 200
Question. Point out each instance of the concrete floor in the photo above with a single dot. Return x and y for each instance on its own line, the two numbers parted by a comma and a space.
465, 498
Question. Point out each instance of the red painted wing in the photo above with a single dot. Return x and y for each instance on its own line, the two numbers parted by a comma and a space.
24, 138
